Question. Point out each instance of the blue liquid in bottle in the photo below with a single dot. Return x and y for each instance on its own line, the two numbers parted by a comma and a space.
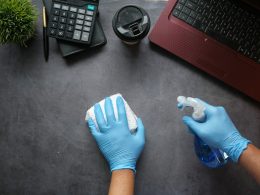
212, 158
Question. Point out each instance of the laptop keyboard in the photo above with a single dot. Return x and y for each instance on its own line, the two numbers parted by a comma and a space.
225, 21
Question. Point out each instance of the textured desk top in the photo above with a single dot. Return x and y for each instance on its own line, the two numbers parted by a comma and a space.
45, 147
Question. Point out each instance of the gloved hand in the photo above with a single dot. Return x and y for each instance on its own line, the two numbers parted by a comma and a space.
120, 148
218, 131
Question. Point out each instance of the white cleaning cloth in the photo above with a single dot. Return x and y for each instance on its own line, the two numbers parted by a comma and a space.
131, 117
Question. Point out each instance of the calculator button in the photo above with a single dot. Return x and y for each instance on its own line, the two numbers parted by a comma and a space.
77, 35
63, 20
55, 18
87, 23
86, 28
82, 11
79, 21
71, 22
85, 36
69, 35
89, 18
91, 7
72, 15
56, 5
60, 33
56, 12
70, 28
73, 9
53, 25
65, 7
64, 14
90, 13
62, 26
80, 16
53, 31
78, 27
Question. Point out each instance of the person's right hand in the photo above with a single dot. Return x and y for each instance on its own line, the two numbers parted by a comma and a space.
218, 131
120, 147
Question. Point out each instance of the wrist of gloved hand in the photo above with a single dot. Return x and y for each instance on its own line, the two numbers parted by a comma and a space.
123, 165
234, 145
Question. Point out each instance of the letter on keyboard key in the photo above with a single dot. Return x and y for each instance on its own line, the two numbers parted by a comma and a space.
176, 12
191, 5
190, 20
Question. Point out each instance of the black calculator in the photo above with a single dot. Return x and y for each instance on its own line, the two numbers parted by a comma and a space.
73, 20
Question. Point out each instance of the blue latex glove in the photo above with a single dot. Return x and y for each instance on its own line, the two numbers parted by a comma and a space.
218, 131
120, 148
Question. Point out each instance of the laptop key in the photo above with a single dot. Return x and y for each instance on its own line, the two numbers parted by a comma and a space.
183, 16
190, 20
191, 5
193, 14
176, 13
197, 24
179, 6
200, 10
199, 17
186, 10
182, 1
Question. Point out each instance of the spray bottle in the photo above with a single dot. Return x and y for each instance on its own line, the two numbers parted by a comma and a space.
211, 157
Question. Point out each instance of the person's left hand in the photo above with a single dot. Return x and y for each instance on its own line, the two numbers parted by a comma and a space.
120, 148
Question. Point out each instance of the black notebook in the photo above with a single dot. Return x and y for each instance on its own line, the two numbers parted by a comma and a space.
68, 48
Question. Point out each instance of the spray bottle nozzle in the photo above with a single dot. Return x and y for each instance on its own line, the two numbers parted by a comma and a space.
198, 108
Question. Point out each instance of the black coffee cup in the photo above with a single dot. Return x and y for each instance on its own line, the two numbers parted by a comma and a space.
131, 24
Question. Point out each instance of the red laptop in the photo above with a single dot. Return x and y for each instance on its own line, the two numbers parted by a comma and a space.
221, 37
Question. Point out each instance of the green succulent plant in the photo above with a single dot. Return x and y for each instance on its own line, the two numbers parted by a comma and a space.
17, 21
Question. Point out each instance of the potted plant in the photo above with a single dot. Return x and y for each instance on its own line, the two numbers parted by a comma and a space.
17, 21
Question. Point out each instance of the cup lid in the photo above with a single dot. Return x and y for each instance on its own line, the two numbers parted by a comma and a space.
131, 23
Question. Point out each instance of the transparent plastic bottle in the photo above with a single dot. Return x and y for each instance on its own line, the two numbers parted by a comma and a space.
210, 157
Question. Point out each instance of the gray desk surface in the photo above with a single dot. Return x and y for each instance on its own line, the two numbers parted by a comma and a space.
45, 147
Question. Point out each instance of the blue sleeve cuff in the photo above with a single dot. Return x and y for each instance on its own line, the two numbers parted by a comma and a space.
123, 167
